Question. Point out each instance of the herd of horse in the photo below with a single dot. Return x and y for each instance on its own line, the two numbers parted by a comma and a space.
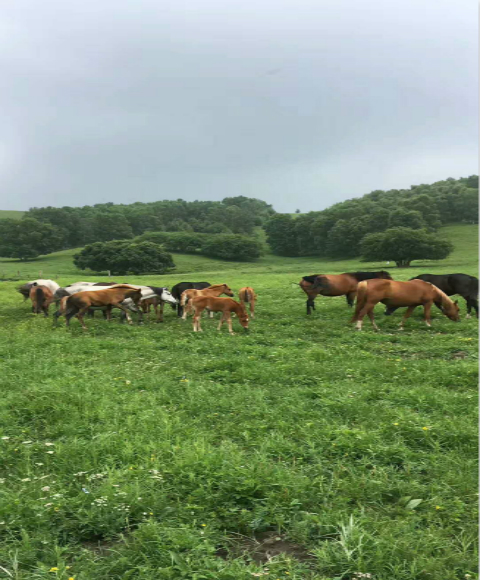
366, 288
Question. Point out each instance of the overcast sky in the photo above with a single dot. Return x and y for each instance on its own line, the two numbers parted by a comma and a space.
301, 103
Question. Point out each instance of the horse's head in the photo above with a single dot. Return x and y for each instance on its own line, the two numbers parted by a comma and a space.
135, 294
451, 310
164, 294
243, 317
25, 290
227, 290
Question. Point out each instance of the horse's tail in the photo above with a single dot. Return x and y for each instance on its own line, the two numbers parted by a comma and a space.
247, 295
39, 298
362, 290
184, 298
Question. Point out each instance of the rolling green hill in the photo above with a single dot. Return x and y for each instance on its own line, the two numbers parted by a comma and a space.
10, 214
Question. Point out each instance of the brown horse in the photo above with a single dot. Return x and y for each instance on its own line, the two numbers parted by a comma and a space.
396, 294
41, 298
224, 305
247, 294
78, 304
336, 285
157, 304
213, 291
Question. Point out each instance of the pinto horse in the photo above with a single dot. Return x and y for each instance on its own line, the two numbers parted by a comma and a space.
462, 284
224, 305
245, 295
214, 291
397, 294
25, 288
41, 297
336, 285
78, 304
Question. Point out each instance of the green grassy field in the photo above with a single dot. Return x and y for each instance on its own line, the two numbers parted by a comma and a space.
302, 450
10, 214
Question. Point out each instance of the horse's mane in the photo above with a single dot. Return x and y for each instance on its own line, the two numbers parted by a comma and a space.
215, 286
444, 299
360, 276
310, 279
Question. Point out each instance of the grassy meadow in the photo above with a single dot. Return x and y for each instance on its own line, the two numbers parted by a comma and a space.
302, 450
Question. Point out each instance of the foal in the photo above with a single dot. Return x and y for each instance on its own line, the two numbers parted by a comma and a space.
212, 291
397, 294
247, 294
41, 298
224, 305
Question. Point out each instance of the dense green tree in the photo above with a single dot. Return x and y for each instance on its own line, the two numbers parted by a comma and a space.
281, 235
124, 257
111, 226
407, 219
28, 238
231, 247
403, 245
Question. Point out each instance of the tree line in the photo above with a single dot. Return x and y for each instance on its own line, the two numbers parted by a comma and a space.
49, 229
343, 230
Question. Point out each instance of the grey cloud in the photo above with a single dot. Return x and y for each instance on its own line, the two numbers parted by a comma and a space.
301, 104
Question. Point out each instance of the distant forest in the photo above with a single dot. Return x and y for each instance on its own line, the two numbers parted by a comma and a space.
104, 222
183, 226
337, 231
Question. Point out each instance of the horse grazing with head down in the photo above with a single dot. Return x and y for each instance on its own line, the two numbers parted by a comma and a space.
41, 297
397, 294
336, 285
213, 291
224, 305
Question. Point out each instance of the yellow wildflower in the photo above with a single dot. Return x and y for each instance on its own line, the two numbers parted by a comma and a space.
54, 569
425, 428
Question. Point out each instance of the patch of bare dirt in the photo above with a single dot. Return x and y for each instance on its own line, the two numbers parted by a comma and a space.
263, 548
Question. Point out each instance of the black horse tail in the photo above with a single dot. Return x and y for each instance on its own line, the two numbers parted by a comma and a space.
247, 296
39, 299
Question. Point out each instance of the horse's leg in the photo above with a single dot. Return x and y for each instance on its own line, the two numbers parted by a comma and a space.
196, 320
186, 310
426, 311
252, 308
407, 314
125, 309
372, 319
159, 311
211, 314
107, 313
351, 297
229, 322
358, 317
222, 320
81, 314
70, 314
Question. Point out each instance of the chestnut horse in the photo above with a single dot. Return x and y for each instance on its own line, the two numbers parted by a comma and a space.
41, 297
78, 304
247, 294
214, 291
412, 294
336, 285
224, 305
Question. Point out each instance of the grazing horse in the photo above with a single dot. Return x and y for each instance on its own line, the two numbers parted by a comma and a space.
224, 305
462, 284
180, 288
162, 295
214, 291
247, 294
79, 303
336, 285
25, 288
412, 294
41, 297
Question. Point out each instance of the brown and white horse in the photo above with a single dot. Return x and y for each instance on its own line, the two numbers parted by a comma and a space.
397, 294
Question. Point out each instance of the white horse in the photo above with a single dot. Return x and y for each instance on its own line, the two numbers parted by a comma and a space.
147, 292
50, 284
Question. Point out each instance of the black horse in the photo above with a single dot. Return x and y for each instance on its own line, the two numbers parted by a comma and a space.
462, 284
179, 288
